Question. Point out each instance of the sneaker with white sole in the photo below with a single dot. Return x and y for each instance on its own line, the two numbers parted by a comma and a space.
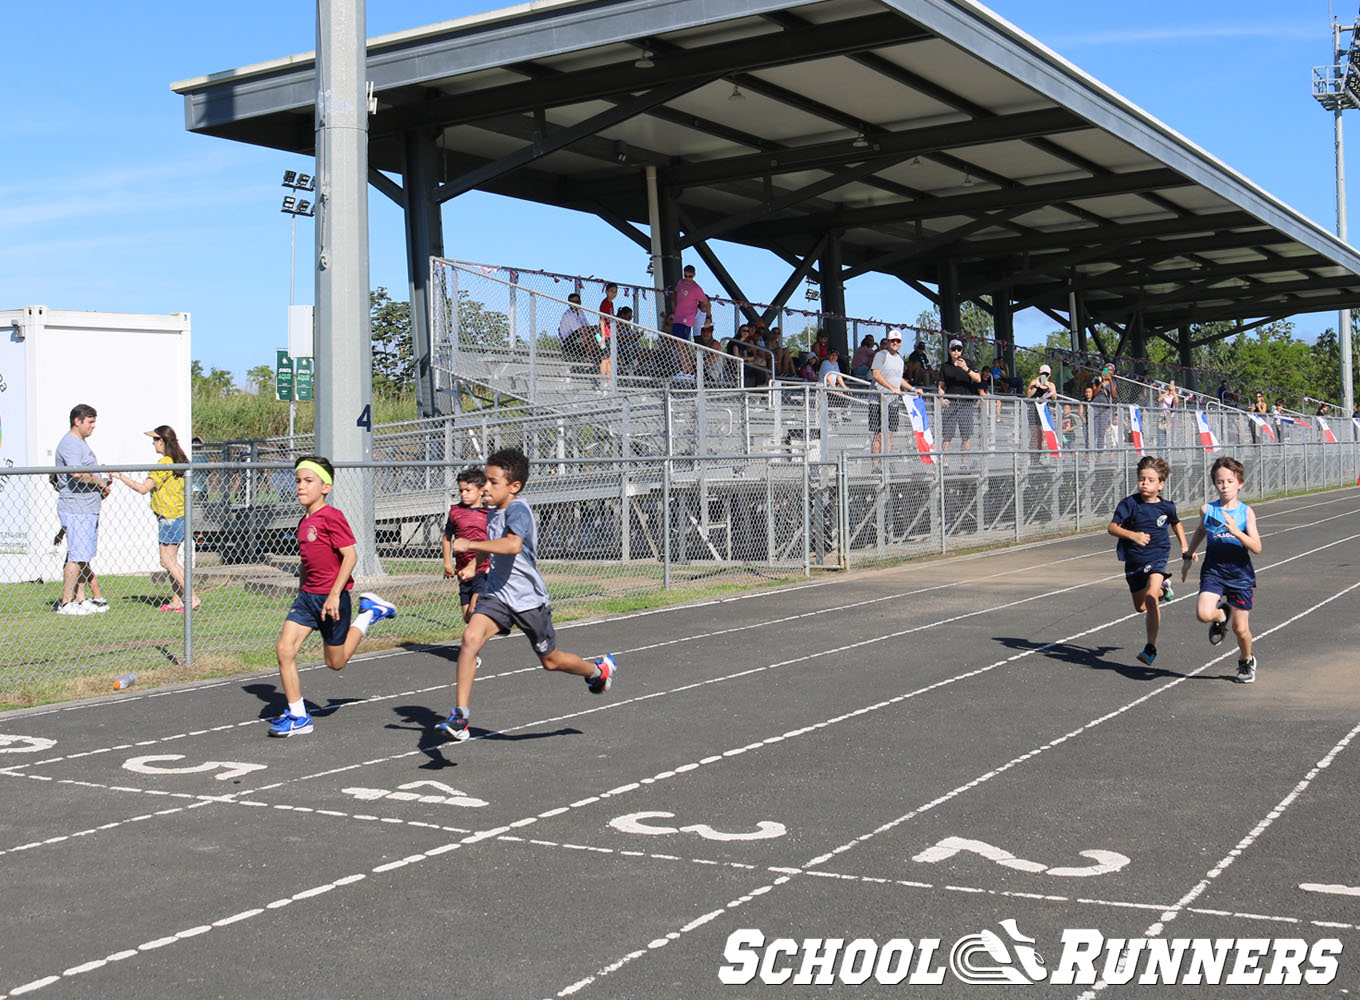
455, 727
72, 608
1246, 670
1167, 593
608, 668
289, 724
1148, 654
369, 601
1217, 630
94, 606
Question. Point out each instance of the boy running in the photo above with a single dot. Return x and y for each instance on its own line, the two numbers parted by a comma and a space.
515, 592
1227, 581
1140, 523
326, 547
467, 519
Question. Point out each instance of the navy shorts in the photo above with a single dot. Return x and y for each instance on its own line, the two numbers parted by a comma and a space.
1137, 576
169, 530
536, 623
306, 611
467, 589
1238, 593
682, 331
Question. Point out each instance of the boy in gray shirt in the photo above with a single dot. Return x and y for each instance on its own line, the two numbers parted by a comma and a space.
515, 593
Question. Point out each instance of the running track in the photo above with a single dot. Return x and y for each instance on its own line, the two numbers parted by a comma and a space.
796, 761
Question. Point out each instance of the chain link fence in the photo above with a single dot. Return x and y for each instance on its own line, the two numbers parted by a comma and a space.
681, 493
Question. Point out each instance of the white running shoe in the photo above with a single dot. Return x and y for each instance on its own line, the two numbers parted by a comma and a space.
72, 608
93, 607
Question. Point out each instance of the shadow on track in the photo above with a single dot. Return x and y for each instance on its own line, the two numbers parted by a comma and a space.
1096, 658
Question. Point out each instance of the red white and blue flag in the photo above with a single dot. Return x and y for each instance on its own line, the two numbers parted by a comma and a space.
920, 426
1046, 425
1206, 434
1327, 434
1263, 424
1136, 426
1285, 418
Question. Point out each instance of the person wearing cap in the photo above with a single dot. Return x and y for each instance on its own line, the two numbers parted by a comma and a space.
957, 378
1040, 389
167, 503
887, 372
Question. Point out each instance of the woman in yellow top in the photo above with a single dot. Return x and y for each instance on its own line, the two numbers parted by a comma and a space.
167, 501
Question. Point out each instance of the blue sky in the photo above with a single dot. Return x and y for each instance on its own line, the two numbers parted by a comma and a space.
107, 203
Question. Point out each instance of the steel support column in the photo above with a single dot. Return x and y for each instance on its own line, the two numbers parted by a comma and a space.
1003, 326
951, 318
424, 239
670, 245
1186, 356
833, 296
344, 360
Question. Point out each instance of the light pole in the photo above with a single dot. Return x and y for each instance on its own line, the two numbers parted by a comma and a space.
294, 205
1337, 88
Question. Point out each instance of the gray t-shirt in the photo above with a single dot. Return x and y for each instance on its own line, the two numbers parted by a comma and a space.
74, 497
515, 580
892, 366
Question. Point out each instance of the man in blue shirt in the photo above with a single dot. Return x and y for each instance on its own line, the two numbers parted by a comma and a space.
79, 496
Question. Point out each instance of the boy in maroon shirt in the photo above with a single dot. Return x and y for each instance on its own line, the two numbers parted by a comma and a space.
326, 547
467, 519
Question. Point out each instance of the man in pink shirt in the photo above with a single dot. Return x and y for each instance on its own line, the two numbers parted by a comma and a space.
689, 299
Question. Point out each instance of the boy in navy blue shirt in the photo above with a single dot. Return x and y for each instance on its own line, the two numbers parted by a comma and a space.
1141, 524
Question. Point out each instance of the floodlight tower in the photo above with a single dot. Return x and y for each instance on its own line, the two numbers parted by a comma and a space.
1337, 88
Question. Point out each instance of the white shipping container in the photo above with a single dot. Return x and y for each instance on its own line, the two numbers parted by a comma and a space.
135, 371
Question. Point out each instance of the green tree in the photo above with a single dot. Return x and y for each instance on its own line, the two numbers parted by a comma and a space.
394, 365
216, 384
262, 378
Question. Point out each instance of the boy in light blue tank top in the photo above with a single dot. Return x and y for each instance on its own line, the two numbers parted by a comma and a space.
1227, 581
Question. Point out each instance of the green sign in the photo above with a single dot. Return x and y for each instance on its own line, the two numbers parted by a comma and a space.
283, 377
304, 379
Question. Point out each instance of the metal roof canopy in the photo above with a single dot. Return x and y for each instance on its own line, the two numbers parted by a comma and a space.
926, 139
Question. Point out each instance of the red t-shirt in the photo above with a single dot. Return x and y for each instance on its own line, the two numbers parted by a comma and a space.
469, 523
606, 311
320, 537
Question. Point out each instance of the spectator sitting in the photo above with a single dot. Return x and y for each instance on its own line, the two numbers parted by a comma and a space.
829, 374
918, 356
629, 342
863, 357
577, 345
715, 368
820, 347
783, 360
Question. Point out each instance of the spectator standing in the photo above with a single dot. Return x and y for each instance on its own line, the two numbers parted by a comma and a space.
606, 327
629, 342
863, 358
1222, 392
1069, 426
1040, 389
1166, 402
957, 378
1261, 408
167, 503
1104, 396
79, 497
888, 374
689, 300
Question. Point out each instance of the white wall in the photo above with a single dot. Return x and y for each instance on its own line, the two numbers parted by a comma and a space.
135, 371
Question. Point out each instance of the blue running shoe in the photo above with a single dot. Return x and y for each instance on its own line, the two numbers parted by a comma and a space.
1148, 654
455, 727
289, 724
1167, 593
369, 601
608, 668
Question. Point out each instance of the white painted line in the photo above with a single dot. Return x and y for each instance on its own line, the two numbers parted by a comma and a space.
1336, 890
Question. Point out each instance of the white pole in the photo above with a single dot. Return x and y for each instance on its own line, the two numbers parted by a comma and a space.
654, 221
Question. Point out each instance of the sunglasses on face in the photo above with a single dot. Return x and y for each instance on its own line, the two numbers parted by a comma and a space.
155, 438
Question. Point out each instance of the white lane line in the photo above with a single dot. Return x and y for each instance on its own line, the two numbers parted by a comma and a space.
1330, 888
981, 779
1181, 905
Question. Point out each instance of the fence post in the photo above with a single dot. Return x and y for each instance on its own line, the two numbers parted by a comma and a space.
807, 485
189, 551
625, 533
843, 509
666, 514
1076, 485
533, 338
1015, 490
944, 509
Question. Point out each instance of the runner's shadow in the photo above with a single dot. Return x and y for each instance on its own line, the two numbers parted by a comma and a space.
1096, 658
421, 719
272, 704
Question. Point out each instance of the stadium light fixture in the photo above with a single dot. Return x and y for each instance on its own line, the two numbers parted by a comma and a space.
645, 61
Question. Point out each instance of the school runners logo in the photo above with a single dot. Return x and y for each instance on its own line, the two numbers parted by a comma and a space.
1161, 521
979, 959
1010, 958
